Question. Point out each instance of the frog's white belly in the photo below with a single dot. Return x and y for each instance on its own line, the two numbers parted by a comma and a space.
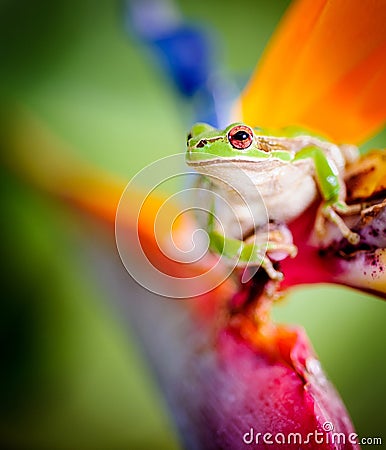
287, 189
279, 191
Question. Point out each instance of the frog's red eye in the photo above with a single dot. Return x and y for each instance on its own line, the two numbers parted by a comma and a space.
240, 137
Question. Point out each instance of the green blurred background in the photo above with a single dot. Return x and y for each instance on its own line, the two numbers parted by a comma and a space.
72, 374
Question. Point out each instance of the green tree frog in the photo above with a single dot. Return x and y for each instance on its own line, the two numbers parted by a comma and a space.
288, 168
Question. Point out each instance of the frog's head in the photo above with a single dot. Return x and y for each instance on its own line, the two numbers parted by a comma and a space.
208, 145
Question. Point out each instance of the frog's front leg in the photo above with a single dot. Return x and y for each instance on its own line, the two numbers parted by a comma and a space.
257, 250
332, 189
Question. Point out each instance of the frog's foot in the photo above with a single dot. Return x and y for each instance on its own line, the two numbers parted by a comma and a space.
278, 247
330, 213
277, 241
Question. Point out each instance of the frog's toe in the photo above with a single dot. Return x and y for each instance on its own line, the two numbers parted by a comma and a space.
345, 209
279, 251
271, 271
292, 250
353, 238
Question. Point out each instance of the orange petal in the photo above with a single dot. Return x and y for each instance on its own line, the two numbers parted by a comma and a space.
325, 69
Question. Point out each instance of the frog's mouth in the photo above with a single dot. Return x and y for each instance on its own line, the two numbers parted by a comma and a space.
219, 160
